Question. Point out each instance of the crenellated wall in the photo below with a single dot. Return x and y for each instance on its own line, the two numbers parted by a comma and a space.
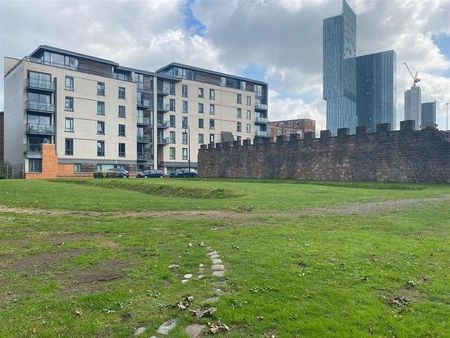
399, 156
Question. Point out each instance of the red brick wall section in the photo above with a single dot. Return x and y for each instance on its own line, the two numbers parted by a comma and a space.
50, 166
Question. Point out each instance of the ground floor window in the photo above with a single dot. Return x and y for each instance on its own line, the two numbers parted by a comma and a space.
35, 165
77, 167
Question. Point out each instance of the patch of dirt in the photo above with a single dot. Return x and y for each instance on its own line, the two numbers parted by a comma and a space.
41, 263
401, 298
61, 238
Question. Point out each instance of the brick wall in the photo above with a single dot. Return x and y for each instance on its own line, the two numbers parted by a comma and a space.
401, 156
50, 166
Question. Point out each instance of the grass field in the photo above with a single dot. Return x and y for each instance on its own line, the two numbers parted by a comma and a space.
91, 257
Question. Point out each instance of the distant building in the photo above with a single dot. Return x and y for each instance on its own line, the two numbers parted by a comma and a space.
413, 105
288, 127
428, 113
375, 89
2, 135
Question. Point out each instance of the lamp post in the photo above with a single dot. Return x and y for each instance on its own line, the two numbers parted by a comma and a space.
187, 130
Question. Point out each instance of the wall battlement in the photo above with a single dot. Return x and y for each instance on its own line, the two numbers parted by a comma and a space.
406, 155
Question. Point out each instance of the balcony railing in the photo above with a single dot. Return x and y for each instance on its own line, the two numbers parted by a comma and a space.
163, 125
164, 107
42, 129
40, 107
261, 119
143, 120
144, 103
143, 139
33, 148
163, 141
260, 106
40, 85
261, 133
142, 87
141, 156
164, 90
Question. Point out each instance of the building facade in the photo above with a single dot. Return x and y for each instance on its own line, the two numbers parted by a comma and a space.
375, 89
287, 127
100, 115
339, 70
413, 105
2, 135
428, 113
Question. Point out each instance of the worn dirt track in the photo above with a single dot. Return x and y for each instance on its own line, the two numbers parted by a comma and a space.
343, 209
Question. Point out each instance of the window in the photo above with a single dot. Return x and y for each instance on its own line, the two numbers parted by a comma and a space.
172, 153
172, 121
201, 108
122, 111
68, 126
185, 107
172, 104
100, 108
223, 81
69, 146
40, 80
68, 105
212, 109
100, 128
121, 130
171, 88
201, 138
200, 92
239, 127
100, 88
184, 122
77, 167
100, 148
184, 90
35, 165
185, 154
243, 85
212, 138
249, 128
201, 123
184, 138
121, 149
121, 93
249, 100
212, 124
239, 98
172, 137
212, 94
249, 114
69, 83
239, 113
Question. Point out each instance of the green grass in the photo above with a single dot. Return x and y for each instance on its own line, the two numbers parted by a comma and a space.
287, 275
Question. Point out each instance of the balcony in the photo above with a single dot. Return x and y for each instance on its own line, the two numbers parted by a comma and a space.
261, 133
43, 85
33, 150
164, 107
163, 125
260, 106
143, 120
141, 156
261, 119
40, 129
144, 104
40, 107
163, 141
144, 87
143, 139
164, 91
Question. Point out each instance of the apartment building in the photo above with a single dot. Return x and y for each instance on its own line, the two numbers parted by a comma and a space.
96, 114
287, 127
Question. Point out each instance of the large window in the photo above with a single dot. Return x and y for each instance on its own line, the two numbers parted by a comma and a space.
172, 137
68, 126
121, 130
249, 114
249, 128
100, 148
184, 122
184, 90
68, 105
69, 146
212, 124
38, 120
69, 83
212, 94
185, 107
172, 104
40, 80
201, 138
35, 165
239, 98
121, 93
184, 154
184, 138
212, 138
100, 108
122, 111
212, 109
201, 108
201, 123
249, 100
121, 149
101, 88
100, 128
172, 153
239, 113
77, 167
201, 92
172, 88
172, 121
239, 127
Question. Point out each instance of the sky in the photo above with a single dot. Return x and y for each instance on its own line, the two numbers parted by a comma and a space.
277, 41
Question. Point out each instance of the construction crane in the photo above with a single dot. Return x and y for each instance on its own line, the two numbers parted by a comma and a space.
414, 77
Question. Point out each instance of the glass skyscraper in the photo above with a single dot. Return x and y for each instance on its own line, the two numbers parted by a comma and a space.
357, 90
428, 113
375, 89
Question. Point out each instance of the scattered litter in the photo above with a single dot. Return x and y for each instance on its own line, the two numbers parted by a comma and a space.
187, 276
410, 284
202, 245
79, 313
183, 305
399, 301
235, 247
217, 327
203, 313
201, 276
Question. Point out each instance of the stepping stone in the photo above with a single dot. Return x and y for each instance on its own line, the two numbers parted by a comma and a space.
201, 270
139, 331
174, 266
214, 256
187, 276
201, 276
195, 330
168, 326
184, 281
212, 253
218, 292
218, 273
201, 266
217, 261
217, 267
